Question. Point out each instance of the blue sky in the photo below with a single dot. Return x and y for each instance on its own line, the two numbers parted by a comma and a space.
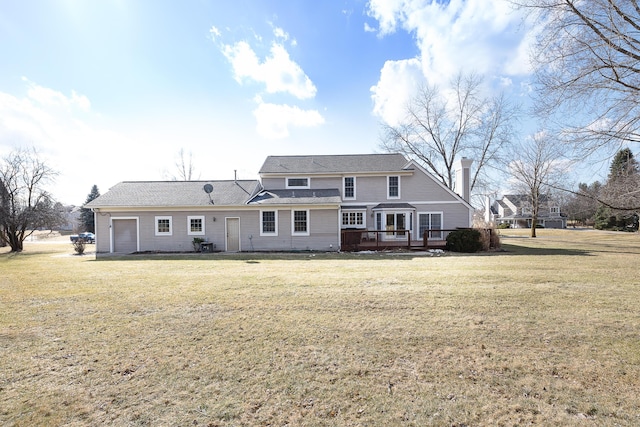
112, 90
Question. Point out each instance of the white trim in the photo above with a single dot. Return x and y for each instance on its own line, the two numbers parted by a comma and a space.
155, 225
419, 235
293, 187
347, 210
226, 233
270, 233
195, 233
111, 243
389, 197
293, 223
344, 188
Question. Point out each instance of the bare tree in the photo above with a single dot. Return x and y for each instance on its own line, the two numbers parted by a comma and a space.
24, 204
443, 125
184, 167
587, 60
538, 168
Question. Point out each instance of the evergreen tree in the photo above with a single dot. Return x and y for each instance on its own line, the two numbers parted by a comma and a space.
620, 190
623, 165
86, 215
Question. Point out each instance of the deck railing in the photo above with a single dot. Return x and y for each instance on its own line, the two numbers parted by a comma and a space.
354, 240
357, 240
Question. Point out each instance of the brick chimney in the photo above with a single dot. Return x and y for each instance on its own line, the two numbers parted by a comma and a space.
463, 177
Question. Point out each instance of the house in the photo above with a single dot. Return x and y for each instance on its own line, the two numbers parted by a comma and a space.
516, 210
300, 203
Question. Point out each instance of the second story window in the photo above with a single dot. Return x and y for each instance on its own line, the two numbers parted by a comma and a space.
393, 186
349, 187
297, 182
555, 210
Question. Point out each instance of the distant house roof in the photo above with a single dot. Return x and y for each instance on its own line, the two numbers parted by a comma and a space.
176, 193
298, 196
347, 163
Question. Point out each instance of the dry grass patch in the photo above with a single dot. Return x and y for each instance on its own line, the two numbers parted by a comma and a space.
545, 332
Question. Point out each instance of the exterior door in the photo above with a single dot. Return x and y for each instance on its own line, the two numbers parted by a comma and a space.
396, 221
233, 234
431, 222
125, 235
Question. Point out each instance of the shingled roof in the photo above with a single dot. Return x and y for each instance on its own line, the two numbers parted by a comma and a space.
347, 163
304, 196
176, 194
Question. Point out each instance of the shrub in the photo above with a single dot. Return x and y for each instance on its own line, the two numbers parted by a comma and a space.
504, 225
196, 243
489, 236
464, 240
79, 246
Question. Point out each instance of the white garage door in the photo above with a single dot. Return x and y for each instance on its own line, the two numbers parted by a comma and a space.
125, 235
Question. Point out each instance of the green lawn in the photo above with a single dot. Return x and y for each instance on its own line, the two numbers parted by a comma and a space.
546, 332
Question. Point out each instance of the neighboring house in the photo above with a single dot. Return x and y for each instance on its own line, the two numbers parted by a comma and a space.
71, 218
299, 203
516, 210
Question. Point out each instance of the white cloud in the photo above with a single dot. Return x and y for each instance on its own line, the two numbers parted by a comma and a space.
368, 28
477, 36
274, 121
280, 33
278, 71
214, 32
398, 83
387, 12
68, 136
46, 96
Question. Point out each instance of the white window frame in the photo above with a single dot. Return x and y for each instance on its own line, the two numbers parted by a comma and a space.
389, 196
555, 210
268, 233
344, 188
190, 232
163, 233
293, 223
298, 186
440, 230
363, 212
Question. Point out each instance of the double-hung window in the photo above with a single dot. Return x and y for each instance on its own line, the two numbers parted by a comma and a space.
268, 223
164, 226
195, 225
349, 187
300, 222
393, 187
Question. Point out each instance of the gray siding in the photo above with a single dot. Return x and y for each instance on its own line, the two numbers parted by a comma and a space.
373, 189
323, 232
323, 236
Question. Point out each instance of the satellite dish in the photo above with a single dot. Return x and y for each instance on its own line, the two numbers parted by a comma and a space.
208, 188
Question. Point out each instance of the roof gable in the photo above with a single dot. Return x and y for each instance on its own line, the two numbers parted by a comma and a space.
176, 193
347, 163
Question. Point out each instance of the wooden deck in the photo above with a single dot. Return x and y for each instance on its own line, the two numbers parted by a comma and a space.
379, 240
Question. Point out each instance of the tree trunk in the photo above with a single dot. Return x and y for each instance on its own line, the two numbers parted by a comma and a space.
16, 247
534, 222
15, 242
